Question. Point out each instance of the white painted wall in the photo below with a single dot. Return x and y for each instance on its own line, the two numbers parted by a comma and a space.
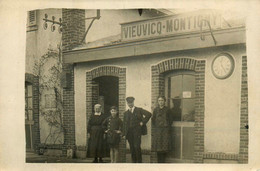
37, 44
222, 97
109, 23
222, 108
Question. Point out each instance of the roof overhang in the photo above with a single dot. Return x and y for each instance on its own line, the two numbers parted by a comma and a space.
187, 41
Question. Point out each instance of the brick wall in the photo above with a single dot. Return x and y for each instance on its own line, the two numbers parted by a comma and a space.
158, 89
73, 32
220, 156
69, 109
73, 28
91, 95
199, 111
34, 80
243, 150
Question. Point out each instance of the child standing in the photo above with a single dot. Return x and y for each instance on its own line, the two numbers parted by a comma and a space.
113, 126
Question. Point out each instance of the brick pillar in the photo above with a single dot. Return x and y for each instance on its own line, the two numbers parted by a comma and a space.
121, 107
243, 150
73, 31
156, 88
199, 111
69, 108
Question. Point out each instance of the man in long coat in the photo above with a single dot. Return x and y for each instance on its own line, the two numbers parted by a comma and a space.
134, 127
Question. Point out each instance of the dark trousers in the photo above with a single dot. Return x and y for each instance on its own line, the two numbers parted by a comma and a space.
134, 140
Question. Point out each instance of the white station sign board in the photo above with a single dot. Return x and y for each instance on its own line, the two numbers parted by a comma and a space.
170, 25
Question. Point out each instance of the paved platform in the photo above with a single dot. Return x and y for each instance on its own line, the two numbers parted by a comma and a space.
35, 158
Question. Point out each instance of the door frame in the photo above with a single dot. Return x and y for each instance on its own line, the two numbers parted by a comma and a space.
107, 70
184, 63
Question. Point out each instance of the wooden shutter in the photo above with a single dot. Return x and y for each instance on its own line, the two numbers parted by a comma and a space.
32, 18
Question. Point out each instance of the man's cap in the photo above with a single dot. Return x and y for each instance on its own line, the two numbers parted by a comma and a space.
130, 99
113, 107
97, 105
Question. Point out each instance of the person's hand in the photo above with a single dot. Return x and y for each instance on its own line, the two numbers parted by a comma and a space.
123, 137
118, 131
141, 123
88, 135
106, 131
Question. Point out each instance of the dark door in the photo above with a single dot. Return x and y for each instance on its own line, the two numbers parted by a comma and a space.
107, 92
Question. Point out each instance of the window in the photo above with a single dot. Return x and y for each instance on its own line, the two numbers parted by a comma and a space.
180, 94
28, 102
28, 115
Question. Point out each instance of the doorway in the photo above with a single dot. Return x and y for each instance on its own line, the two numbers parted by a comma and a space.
180, 94
107, 92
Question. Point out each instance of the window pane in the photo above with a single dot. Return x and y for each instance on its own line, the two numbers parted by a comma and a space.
28, 136
176, 143
176, 86
29, 101
26, 103
26, 91
174, 89
188, 109
29, 90
188, 143
188, 86
26, 114
30, 115
176, 110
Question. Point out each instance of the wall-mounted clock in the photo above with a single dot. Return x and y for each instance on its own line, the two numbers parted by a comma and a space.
223, 66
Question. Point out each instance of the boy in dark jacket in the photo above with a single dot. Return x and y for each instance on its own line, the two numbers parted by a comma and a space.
113, 127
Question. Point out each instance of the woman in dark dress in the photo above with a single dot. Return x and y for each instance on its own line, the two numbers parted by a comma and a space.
161, 130
97, 147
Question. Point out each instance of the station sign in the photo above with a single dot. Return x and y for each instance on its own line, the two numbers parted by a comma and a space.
171, 25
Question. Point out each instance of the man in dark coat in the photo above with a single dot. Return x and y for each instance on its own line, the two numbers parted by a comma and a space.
134, 127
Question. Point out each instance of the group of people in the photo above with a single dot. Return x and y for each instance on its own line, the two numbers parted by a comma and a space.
107, 130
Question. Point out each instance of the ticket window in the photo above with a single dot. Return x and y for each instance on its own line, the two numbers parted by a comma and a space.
180, 95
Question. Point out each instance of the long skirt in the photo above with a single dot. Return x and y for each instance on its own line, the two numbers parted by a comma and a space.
97, 146
161, 139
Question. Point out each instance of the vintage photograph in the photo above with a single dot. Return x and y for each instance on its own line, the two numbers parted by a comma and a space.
136, 86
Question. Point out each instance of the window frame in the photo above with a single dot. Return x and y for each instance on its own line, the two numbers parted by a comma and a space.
180, 124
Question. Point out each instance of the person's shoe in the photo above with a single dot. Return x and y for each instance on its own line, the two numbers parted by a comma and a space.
95, 161
101, 161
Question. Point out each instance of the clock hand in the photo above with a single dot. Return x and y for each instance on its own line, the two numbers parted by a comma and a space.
223, 67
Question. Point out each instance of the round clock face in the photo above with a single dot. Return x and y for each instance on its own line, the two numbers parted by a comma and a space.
223, 66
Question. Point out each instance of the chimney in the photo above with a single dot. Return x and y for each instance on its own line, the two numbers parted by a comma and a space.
73, 28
